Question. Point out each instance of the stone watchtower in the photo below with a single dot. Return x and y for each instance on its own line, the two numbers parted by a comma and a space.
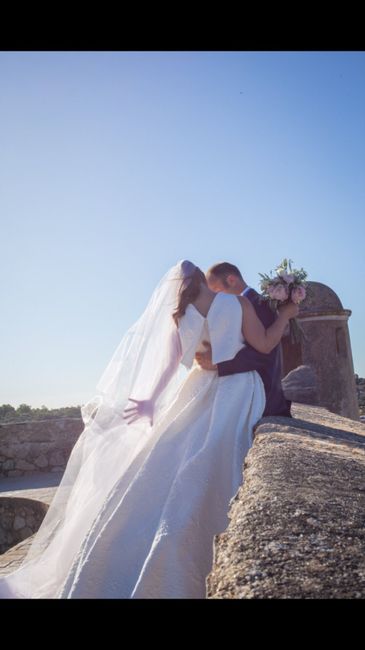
326, 348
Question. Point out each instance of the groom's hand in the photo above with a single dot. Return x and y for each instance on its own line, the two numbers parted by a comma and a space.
204, 359
289, 310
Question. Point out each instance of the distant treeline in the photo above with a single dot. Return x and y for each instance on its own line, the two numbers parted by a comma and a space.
25, 412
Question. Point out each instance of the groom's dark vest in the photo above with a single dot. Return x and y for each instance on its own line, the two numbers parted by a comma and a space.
267, 365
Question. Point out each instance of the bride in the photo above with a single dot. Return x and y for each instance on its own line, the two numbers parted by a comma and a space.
149, 481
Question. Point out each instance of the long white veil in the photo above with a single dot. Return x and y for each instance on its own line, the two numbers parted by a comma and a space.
107, 446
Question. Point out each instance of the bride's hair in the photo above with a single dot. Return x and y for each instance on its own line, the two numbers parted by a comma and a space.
189, 294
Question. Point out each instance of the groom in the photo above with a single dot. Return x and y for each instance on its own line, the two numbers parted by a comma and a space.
227, 278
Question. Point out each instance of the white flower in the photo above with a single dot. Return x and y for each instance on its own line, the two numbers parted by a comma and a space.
287, 277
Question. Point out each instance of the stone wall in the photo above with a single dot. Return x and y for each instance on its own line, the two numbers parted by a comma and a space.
360, 388
297, 523
37, 446
45, 445
19, 518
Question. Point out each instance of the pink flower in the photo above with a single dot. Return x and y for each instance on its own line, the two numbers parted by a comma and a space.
278, 292
298, 294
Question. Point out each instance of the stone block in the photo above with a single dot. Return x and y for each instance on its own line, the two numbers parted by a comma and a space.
301, 385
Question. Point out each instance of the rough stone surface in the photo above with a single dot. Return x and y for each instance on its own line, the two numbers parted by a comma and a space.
320, 298
39, 445
301, 385
297, 523
39, 488
326, 347
360, 389
12, 559
19, 518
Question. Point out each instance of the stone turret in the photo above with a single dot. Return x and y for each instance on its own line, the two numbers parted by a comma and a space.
326, 349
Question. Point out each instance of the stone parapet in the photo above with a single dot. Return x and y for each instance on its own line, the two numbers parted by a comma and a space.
297, 523
37, 446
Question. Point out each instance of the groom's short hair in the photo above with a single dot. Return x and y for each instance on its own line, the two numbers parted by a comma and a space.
222, 270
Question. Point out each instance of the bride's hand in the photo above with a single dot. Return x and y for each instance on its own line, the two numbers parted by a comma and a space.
141, 408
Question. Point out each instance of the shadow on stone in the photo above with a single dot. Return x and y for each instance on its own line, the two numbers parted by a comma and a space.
19, 518
294, 426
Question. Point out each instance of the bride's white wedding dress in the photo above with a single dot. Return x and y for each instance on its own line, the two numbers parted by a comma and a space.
153, 535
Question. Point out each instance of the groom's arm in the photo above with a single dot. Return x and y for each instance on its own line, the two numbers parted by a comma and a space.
245, 360
248, 358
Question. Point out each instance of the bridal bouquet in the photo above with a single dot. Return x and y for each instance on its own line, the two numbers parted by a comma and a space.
288, 284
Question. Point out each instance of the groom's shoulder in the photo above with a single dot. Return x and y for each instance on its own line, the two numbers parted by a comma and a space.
253, 296
261, 305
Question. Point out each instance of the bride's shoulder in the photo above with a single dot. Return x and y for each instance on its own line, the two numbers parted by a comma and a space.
244, 301
225, 303
230, 298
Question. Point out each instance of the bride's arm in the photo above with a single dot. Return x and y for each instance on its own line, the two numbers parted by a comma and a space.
145, 407
254, 331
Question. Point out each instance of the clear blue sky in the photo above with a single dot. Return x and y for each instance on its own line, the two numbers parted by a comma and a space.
114, 165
